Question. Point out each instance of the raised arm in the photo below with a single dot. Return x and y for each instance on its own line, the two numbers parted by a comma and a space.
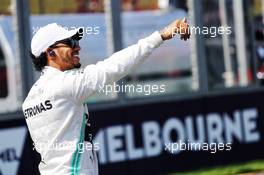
121, 63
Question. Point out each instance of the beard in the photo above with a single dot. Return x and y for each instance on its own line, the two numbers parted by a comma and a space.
78, 65
71, 66
74, 66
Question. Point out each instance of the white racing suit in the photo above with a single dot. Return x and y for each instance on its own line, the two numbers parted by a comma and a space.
56, 114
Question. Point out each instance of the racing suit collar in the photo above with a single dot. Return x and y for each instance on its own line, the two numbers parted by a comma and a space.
49, 69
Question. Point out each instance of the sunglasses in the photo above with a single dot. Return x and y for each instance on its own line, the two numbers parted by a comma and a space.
72, 43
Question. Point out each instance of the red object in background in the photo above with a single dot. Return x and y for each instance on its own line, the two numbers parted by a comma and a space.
3, 82
249, 76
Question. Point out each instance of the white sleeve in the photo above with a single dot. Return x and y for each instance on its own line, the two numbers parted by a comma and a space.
84, 83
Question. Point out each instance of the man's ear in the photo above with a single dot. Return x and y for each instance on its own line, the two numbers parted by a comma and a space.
51, 53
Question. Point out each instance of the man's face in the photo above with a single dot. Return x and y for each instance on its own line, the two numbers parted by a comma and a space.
67, 55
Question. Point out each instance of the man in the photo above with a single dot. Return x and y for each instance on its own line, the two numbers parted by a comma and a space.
55, 109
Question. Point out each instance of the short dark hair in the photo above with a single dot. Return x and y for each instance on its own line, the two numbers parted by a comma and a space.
40, 61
